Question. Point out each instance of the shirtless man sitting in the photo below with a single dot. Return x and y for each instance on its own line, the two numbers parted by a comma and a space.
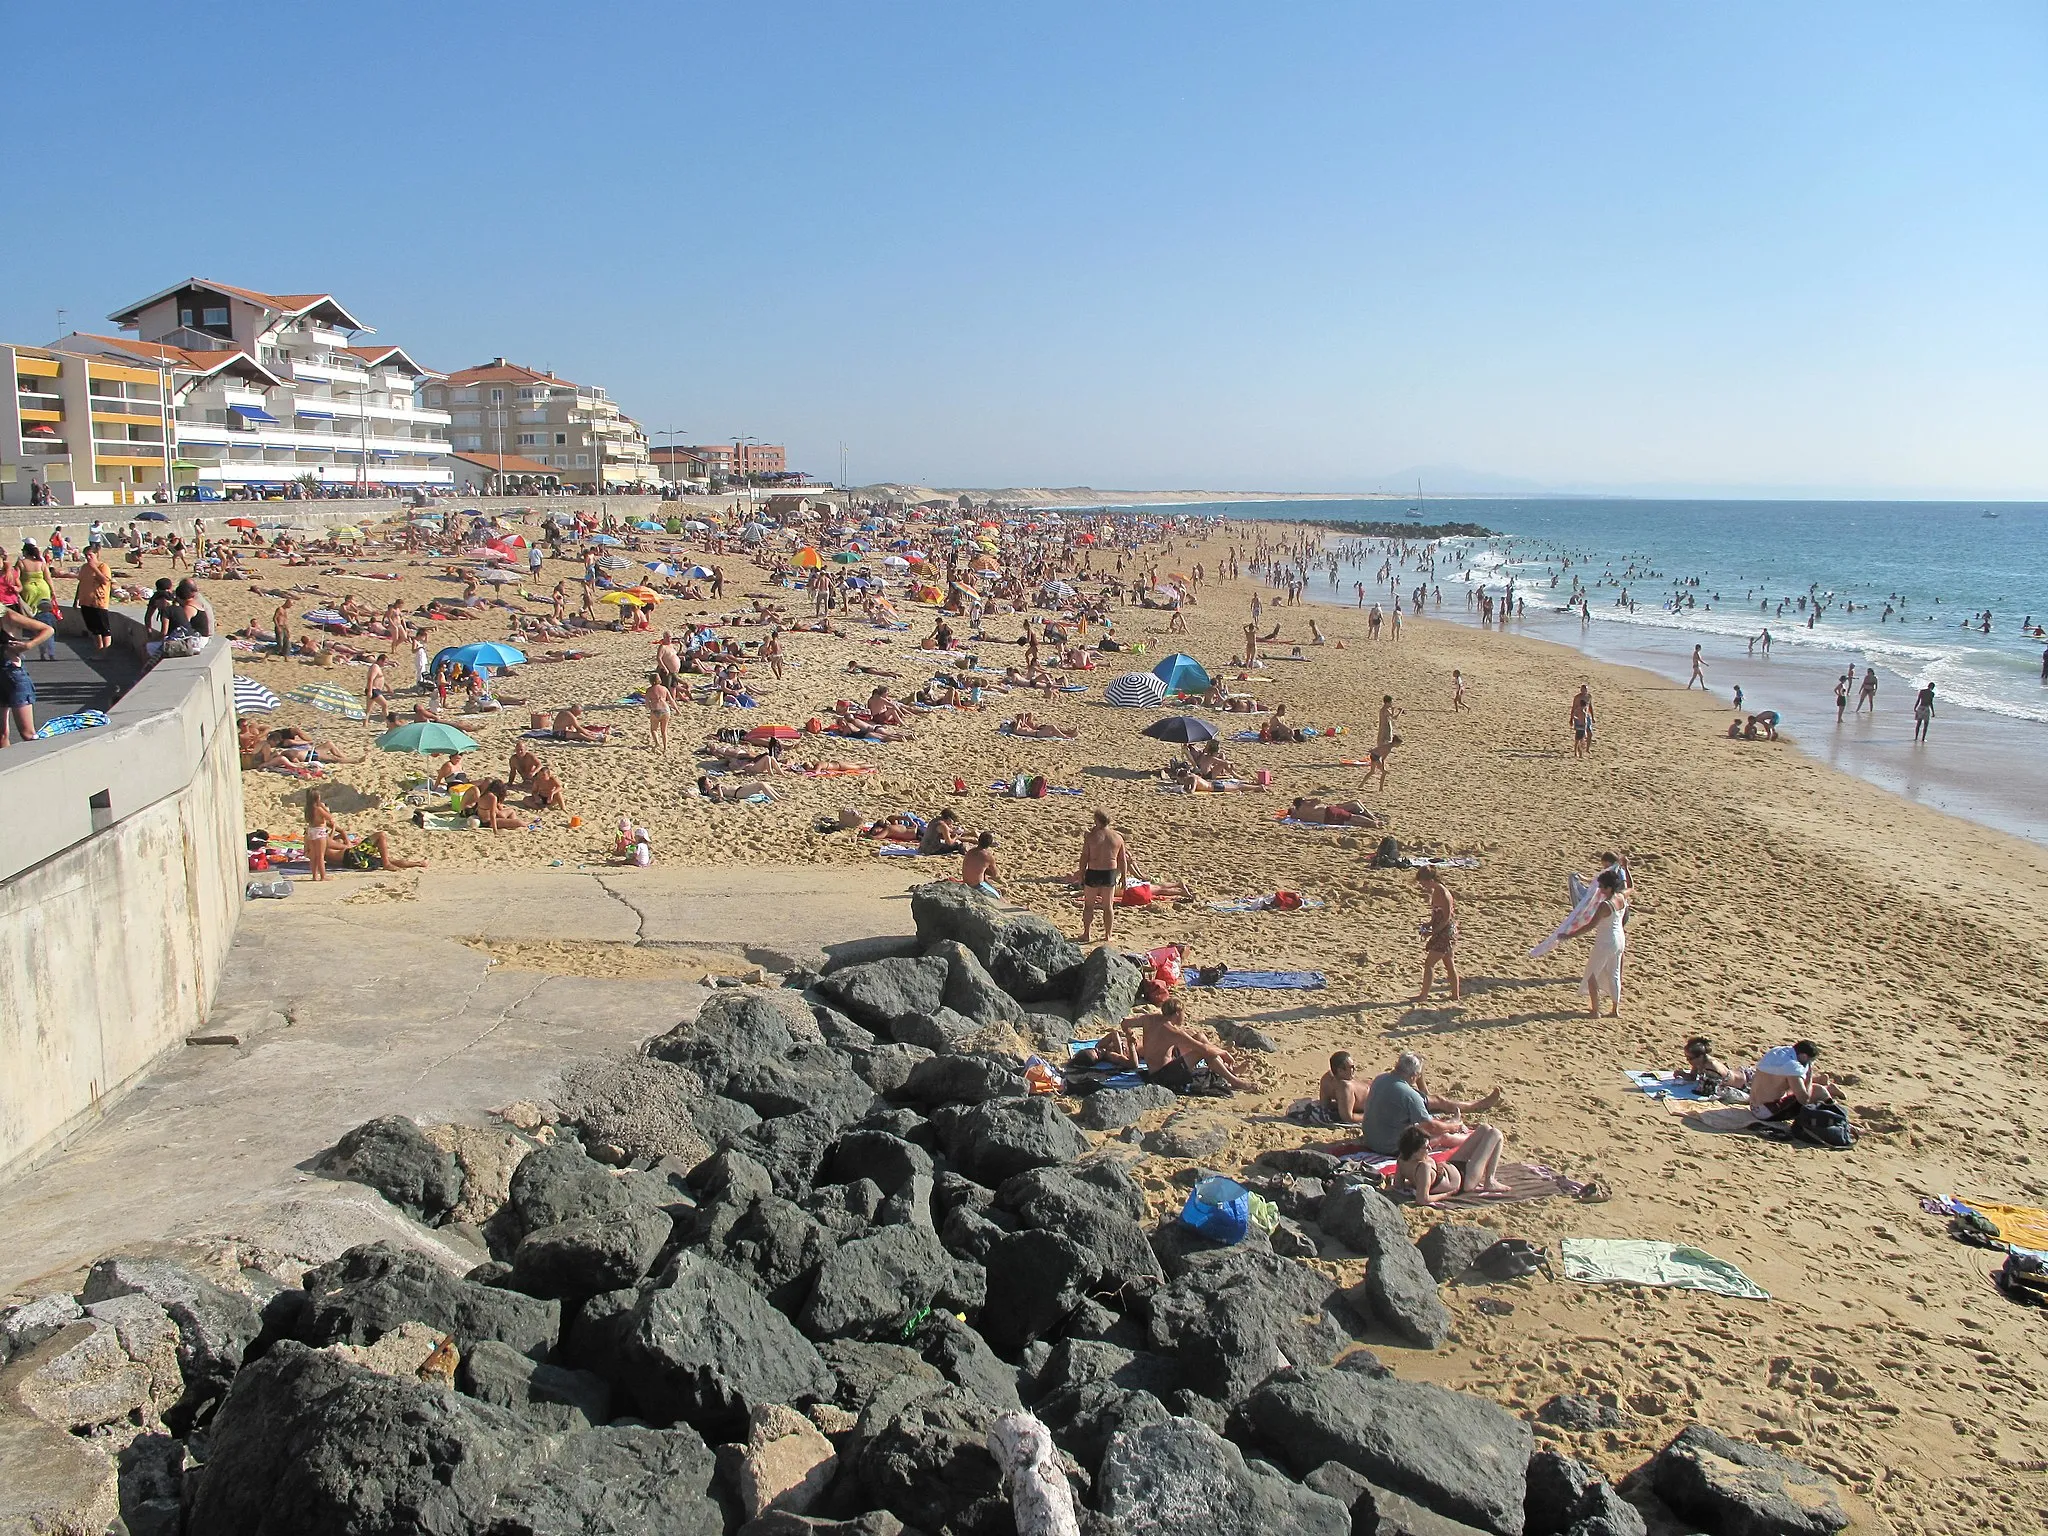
1783, 1080
525, 764
569, 726
978, 865
545, 791
1164, 1040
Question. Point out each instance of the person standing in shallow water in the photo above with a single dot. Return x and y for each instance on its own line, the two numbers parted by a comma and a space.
1699, 671
1923, 712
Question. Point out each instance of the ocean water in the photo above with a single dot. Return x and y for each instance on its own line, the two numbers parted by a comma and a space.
1715, 574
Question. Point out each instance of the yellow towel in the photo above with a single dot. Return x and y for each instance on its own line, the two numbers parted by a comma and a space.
2025, 1226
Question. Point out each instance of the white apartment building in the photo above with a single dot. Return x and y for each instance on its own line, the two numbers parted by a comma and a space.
500, 411
314, 400
89, 430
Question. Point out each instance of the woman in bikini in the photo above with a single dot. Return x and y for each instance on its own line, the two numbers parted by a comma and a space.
1416, 1173
319, 827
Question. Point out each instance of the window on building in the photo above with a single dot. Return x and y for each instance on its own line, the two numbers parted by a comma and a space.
561, 438
497, 396
185, 315
583, 461
468, 440
214, 315
466, 395
530, 439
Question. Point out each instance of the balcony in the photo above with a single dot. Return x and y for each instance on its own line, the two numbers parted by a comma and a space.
34, 400
334, 373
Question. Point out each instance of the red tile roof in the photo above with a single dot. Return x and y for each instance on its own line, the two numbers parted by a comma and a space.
511, 464
178, 357
504, 373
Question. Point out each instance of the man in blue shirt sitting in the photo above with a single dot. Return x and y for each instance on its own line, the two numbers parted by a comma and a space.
1398, 1099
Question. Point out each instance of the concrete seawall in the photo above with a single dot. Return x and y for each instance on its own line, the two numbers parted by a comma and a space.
121, 876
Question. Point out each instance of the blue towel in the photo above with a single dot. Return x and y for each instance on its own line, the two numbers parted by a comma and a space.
1267, 981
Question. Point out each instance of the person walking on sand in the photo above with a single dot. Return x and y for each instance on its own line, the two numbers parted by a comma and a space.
1582, 721
1105, 867
1610, 943
1923, 712
657, 699
1458, 704
1699, 671
1439, 934
1387, 716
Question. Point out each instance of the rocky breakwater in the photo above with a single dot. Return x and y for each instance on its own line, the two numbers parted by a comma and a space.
816, 1261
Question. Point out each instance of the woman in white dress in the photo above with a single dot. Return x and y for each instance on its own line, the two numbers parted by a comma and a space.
1603, 965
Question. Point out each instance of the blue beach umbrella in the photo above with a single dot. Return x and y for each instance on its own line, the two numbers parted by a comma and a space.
1181, 674
604, 539
425, 736
481, 657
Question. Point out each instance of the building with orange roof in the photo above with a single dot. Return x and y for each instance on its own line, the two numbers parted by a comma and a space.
505, 410
252, 391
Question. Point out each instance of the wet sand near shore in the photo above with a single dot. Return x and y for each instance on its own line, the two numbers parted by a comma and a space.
1776, 898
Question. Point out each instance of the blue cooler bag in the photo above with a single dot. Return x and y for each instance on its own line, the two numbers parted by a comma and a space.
1220, 1209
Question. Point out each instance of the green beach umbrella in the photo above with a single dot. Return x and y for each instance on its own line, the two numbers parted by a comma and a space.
425, 736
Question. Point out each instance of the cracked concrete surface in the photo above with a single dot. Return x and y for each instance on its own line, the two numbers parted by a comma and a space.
356, 999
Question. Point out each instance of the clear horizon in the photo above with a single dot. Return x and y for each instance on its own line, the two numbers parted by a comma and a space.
1599, 249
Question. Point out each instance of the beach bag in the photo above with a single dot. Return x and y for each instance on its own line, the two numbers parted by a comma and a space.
1512, 1258
2024, 1277
1969, 1227
1823, 1125
1219, 1209
1037, 788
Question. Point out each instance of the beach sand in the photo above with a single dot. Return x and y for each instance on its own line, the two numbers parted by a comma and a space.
1776, 898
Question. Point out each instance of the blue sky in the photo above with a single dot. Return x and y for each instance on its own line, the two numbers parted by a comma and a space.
1734, 248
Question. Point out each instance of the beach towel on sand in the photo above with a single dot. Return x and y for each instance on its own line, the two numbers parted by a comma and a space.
1264, 904
1639, 1261
1664, 1085
2024, 1226
557, 740
1265, 981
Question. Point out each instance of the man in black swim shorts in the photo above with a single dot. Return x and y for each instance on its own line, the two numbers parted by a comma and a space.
1105, 866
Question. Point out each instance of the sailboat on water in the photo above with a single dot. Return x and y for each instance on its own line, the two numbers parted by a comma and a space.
1415, 512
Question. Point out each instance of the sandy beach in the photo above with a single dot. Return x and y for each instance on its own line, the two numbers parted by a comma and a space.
1776, 898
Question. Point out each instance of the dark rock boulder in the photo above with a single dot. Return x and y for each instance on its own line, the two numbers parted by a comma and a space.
735, 1030
311, 1444
1189, 1134
1107, 992
1449, 1248
812, 1079
1002, 1138
1032, 960
1178, 1477
573, 1227
1568, 1410
942, 1031
1381, 1511
1733, 1488
701, 1348
1302, 1162
865, 1371
962, 1355
1234, 1316
1099, 1213
561, 1183
838, 1030
718, 1120
927, 1462
1565, 1497
887, 1068
1399, 1293
1034, 1280
875, 1281
970, 990
970, 1234
870, 1154
1111, 1109
393, 1157
547, 1394
1363, 1220
729, 1177
371, 1289
616, 1481
1083, 1417
645, 1107
879, 992
791, 1148
945, 911
844, 1210
1458, 1455
772, 1243
967, 1078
